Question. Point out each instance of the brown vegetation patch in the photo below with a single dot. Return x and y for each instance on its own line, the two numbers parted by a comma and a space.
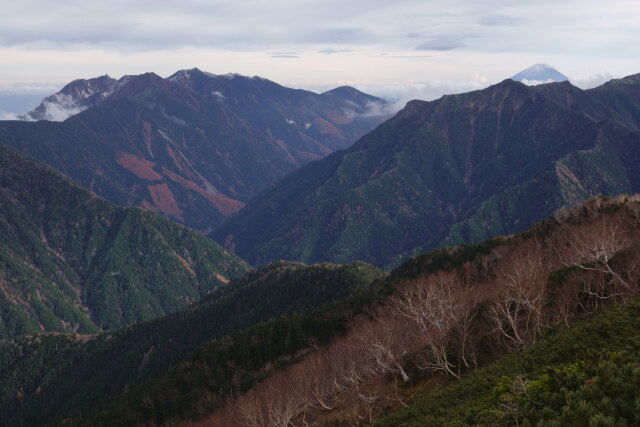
5, 291
164, 200
142, 168
339, 118
225, 205
186, 265
326, 128
221, 278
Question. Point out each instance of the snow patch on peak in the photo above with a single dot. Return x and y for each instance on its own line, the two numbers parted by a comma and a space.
230, 76
180, 75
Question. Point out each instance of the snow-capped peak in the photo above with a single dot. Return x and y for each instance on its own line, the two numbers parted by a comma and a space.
538, 74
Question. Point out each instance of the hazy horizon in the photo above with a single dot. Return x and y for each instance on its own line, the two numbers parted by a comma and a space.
404, 50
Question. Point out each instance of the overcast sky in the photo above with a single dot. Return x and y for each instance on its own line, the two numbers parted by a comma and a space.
399, 49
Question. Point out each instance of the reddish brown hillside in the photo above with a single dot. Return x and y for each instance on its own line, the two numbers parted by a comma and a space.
445, 319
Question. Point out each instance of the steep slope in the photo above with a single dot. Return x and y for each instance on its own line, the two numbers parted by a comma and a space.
189, 155
70, 261
61, 376
459, 169
435, 320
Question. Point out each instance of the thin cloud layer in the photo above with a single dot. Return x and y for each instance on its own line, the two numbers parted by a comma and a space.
252, 24
443, 43
401, 93
500, 20
319, 43
329, 51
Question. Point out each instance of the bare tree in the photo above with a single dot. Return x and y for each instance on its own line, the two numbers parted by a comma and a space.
249, 412
592, 248
462, 335
384, 344
634, 208
432, 305
372, 402
517, 311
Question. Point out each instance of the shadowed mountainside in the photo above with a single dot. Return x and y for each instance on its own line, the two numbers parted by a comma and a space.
194, 147
458, 169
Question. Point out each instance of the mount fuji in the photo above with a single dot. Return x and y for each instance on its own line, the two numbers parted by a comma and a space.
538, 74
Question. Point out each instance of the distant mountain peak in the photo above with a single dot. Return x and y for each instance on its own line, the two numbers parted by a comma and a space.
76, 97
351, 94
343, 90
538, 74
186, 74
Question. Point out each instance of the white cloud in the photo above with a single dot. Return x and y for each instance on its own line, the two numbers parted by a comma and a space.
57, 109
8, 116
400, 94
592, 81
500, 19
443, 43
367, 41
332, 50
372, 109
60, 112
536, 82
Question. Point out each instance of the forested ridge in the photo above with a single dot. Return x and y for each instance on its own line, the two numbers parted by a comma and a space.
73, 262
336, 345
51, 377
516, 328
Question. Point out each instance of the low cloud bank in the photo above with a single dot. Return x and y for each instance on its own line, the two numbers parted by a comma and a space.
401, 93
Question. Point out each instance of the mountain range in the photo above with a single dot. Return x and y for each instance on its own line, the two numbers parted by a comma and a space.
194, 147
113, 315
458, 169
